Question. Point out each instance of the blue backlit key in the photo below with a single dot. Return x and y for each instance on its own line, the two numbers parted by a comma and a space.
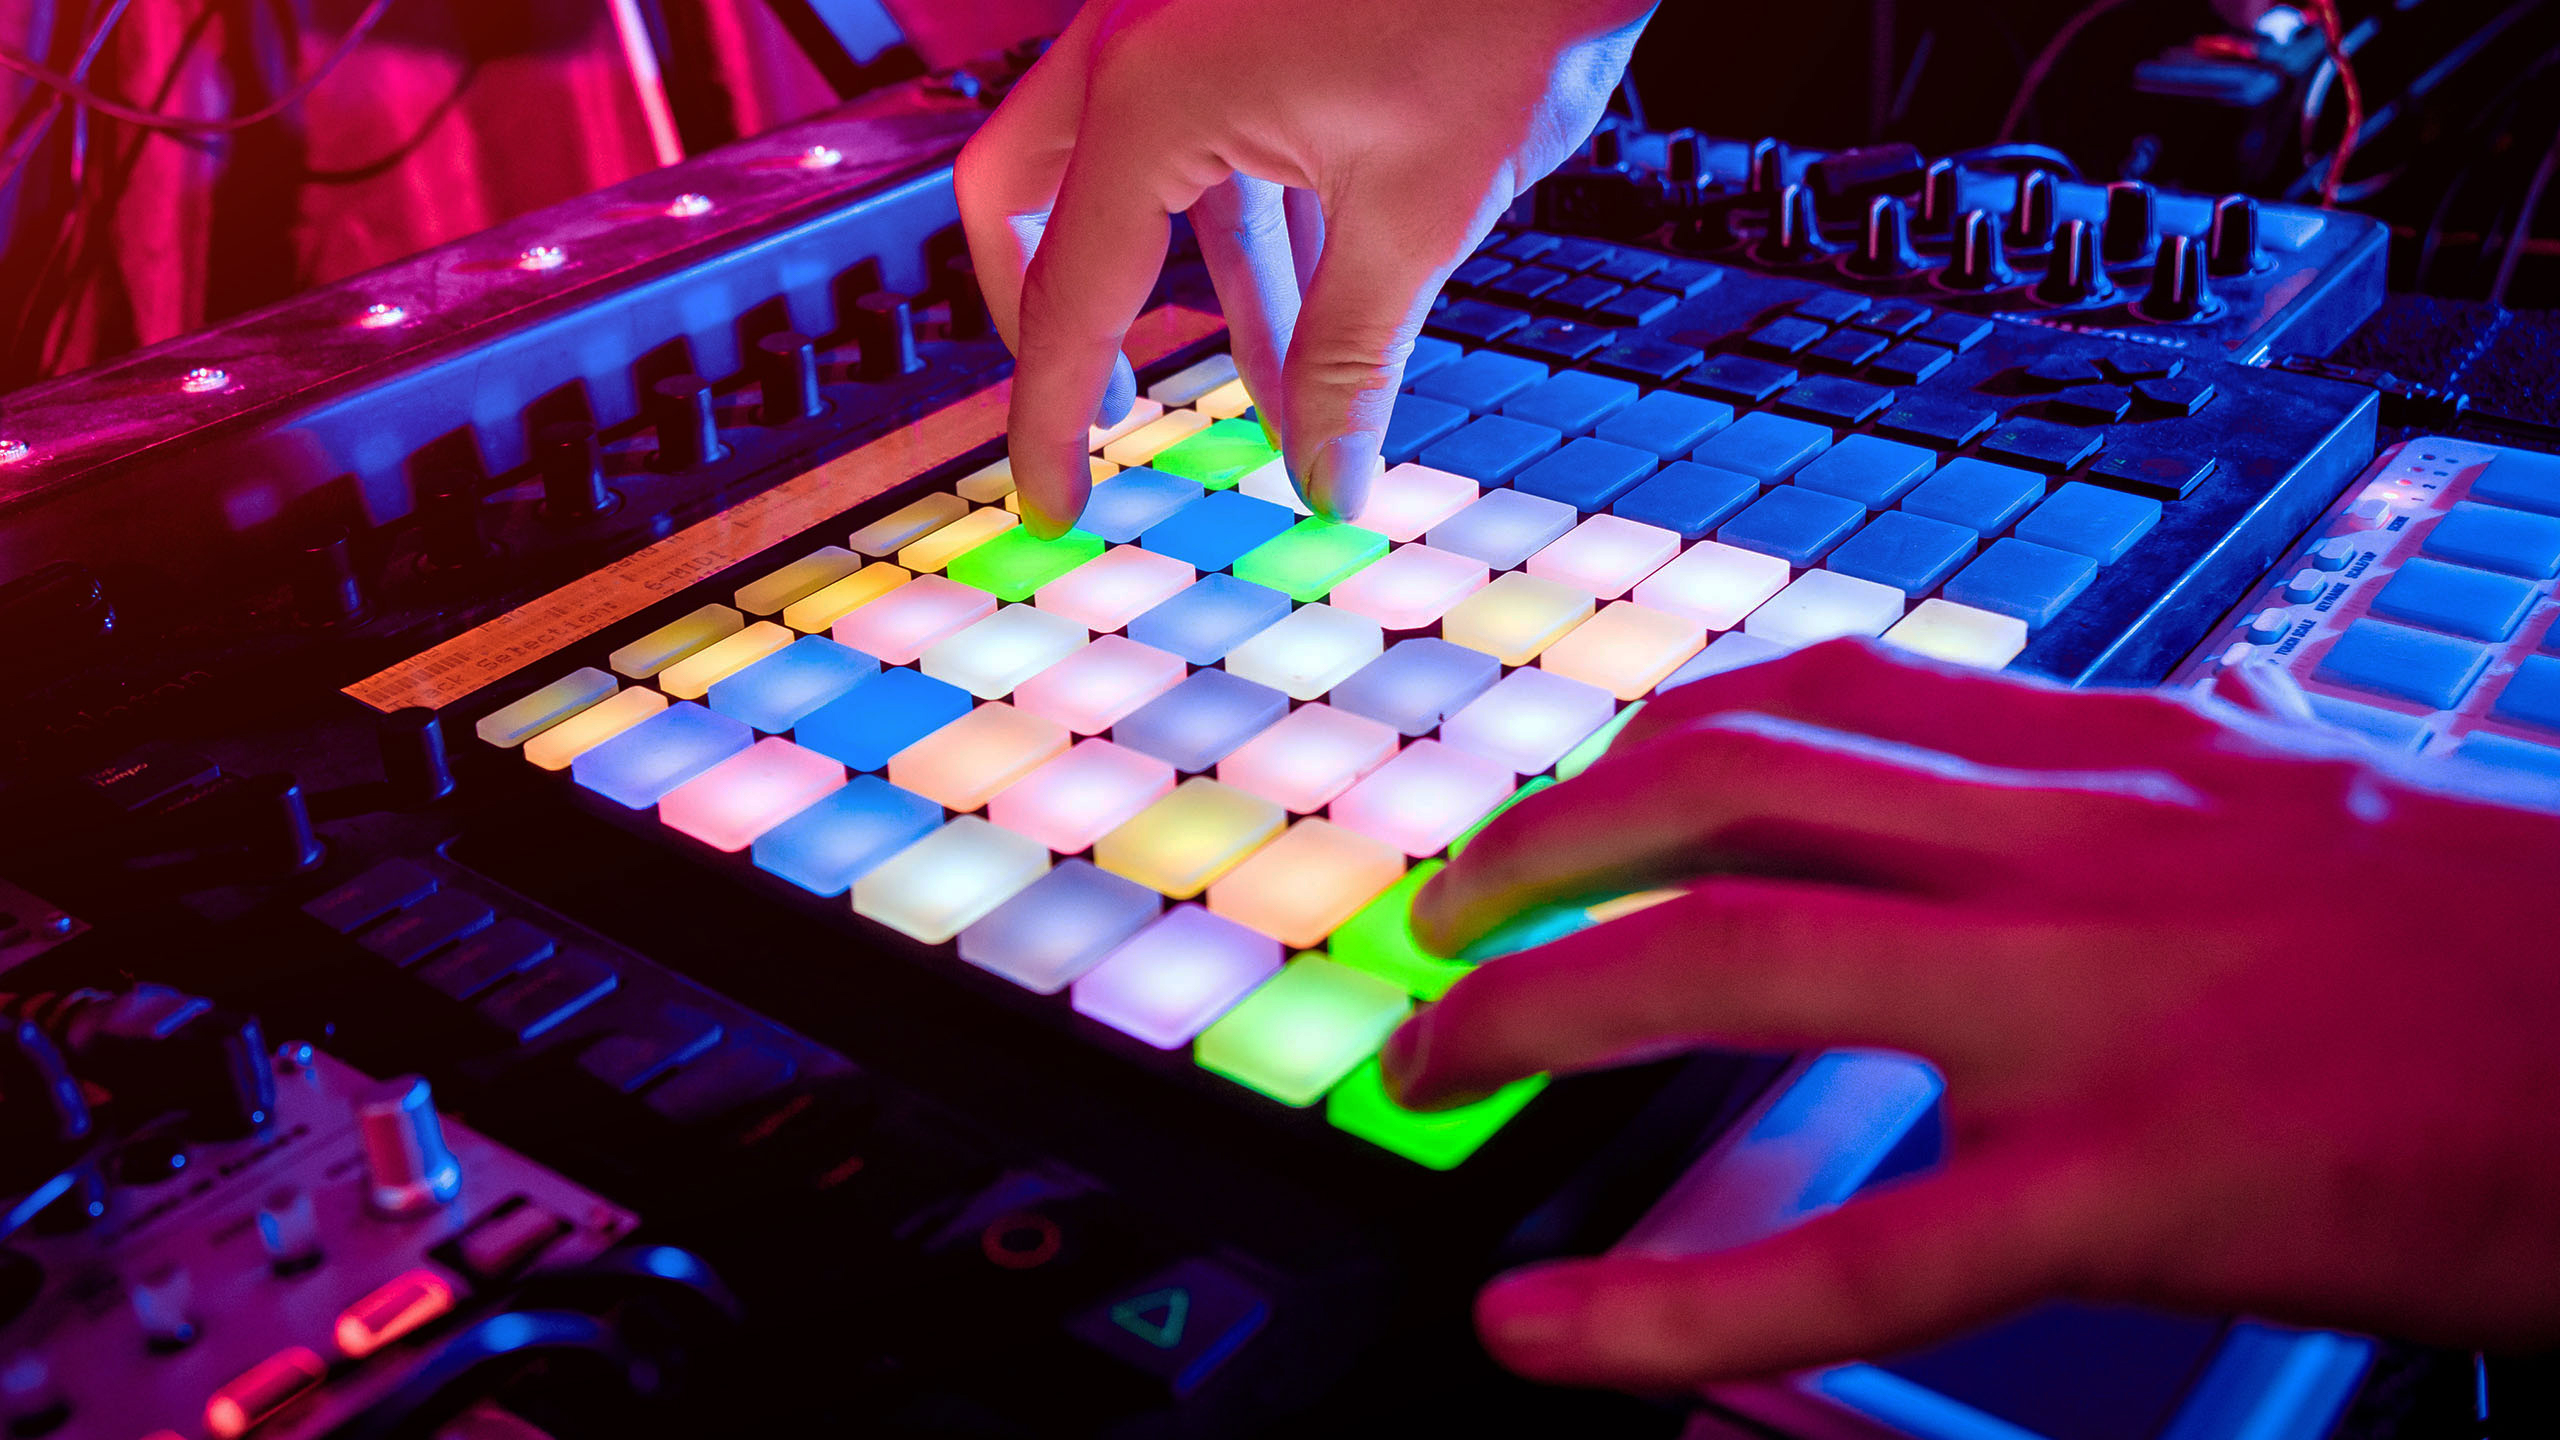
1587, 474
1797, 525
1873, 472
639, 766
1502, 528
1211, 617
2456, 598
837, 841
1571, 402
2016, 577
2494, 537
2523, 479
1687, 497
1766, 447
2091, 520
1417, 422
1201, 721
2389, 659
776, 691
2532, 695
1491, 449
1976, 494
881, 716
1911, 553
1125, 505
1481, 381
1417, 684
1431, 353
1665, 422
2506, 750
1211, 534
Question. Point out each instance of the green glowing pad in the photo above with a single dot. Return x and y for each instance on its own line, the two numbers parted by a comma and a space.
1303, 1030
1014, 564
1596, 744
1219, 456
1440, 1138
1379, 939
1459, 845
1309, 558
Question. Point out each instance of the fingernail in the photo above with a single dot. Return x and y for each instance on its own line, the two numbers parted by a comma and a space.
1400, 1063
1531, 1311
1337, 480
1118, 396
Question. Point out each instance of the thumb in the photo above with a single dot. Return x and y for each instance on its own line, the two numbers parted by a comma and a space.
1385, 254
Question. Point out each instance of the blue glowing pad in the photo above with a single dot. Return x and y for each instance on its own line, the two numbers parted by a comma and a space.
1417, 421
1059, 926
837, 841
1125, 505
1211, 617
1211, 534
2496, 538
2388, 659
2532, 696
1571, 402
639, 766
1911, 553
1797, 525
2032, 582
881, 716
1201, 721
776, 691
1502, 528
1417, 684
2456, 598
1665, 422
1587, 474
1431, 353
1689, 498
1976, 494
1491, 449
1873, 472
2092, 520
2523, 479
1766, 447
1480, 382
2510, 752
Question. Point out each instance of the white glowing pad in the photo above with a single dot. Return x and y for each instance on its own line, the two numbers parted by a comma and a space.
1413, 586
1945, 630
1424, 798
1823, 605
1515, 617
956, 539
1410, 499
1090, 690
1716, 585
1271, 482
991, 657
1082, 795
1605, 555
946, 882
906, 525
692, 677
1106, 593
727, 806
1142, 413
1227, 402
966, 763
1168, 981
1626, 649
1314, 649
1315, 753
1299, 887
822, 609
1141, 445
897, 627
1529, 719
563, 743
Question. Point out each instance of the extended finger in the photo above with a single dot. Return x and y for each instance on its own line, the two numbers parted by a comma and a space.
1243, 225
1007, 175
1885, 1272
1747, 964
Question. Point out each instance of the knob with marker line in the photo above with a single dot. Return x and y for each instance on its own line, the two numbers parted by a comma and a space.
1884, 247
2032, 219
409, 1170
1980, 261
2233, 241
2179, 290
1795, 231
1941, 197
2077, 273
2133, 223
786, 367
1767, 174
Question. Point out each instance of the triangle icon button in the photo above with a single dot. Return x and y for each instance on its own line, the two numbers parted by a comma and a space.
1156, 1317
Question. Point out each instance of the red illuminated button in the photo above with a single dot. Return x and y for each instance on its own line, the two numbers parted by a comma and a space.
392, 1311
261, 1391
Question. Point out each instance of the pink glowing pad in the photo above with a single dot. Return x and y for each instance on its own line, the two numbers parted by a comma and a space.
1082, 795
727, 806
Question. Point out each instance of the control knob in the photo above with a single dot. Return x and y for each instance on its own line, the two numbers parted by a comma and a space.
408, 1167
1980, 261
688, 430
572, 467
1768, 172
1941, 197
787, 379
885, 333
1795, 232
2031, 220
1884, 249
2179, 291
2133, 222
2076, 275
2233, 242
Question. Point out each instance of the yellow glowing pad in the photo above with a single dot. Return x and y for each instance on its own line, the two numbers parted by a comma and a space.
1227, 402
1945, 630
801, 578
672, 642
956, 539
907, 524
962, 765
692, 677
1189, 838
1142, 413
554, 748
944, 883
1299, 887
1515, 617
1626, 649
986, 487
1140, 445
1098, 467
820, 612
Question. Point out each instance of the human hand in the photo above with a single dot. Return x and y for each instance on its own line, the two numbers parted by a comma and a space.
2225, 1025
1338, 158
